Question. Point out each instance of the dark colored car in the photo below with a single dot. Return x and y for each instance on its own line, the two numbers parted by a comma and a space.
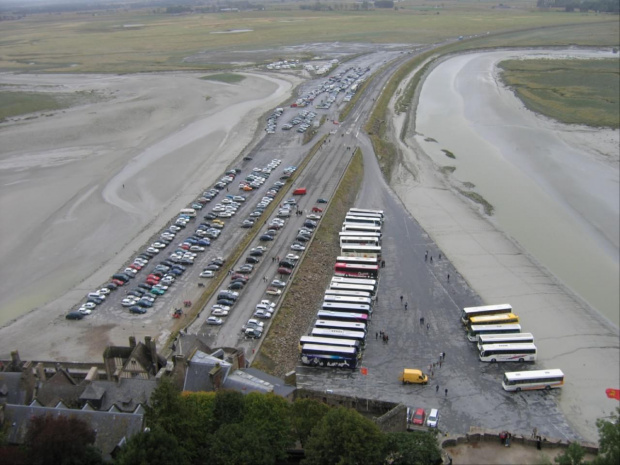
321, 201
256, 253
252, 260
286, 264
228, 303
302, 238
236, 285
137, 309
265, 238
112, 286
210, 216
310, 224
144, 286
74, 316
121, 277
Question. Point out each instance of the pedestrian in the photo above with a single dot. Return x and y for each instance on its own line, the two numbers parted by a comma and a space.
444, 356
428, 326
377, 335
446, 392
426, 256
401, 299
448, 277
440, 362
265, 278
406, 305
436, 389
534, 432
387, 338
431, 259
439, 256
123, 186
432, 373
381, 333
421, 320
377, 298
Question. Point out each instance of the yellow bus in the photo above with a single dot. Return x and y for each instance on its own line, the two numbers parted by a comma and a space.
499, 319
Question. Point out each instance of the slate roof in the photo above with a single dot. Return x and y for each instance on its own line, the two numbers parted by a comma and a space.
10, 391
197, 375
279, 387
110, 428
125, 394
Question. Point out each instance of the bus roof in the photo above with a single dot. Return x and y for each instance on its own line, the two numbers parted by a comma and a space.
335, 349
329, 341
507, 346
495, 328
533, 374
489, 318
487, 308
345, 293
334, 332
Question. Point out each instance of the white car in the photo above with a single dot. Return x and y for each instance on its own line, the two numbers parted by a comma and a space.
292, 257
297, 247
221, 307
152, 250
85, 311
260, 313
267, 302
129, 301
213, 320
433, 418
130, 271
207, 274
219, 312
196, 248
90, 305
104, 291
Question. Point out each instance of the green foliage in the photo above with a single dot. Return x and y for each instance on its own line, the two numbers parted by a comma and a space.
154, 447
306, 413
609, 440
270, 416
61, 440
344, 437
573, 455
414, 448
570, 91
228, 408
21, 103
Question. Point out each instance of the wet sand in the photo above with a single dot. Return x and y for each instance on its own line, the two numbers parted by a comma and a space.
82, 189
569, 333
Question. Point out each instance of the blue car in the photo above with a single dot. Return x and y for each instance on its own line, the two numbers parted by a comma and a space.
204, 242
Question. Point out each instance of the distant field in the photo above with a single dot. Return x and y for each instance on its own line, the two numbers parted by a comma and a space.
570, 91
133, 41
230, 78
21, 103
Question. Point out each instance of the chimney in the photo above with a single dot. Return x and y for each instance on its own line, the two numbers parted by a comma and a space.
15, 361
93, 375
215, 375
151, 345
40, 372
132, 341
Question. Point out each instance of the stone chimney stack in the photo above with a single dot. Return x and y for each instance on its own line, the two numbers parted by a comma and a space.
15, 361
132, 341
216, 377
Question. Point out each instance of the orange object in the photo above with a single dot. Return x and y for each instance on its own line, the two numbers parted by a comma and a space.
613, 393
364, 371
300, 191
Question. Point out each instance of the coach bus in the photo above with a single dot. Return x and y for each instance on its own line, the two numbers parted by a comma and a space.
363, 220
360, 227
352, 287
500, 319
371, 251
534, 379
358, 260
372, 234
329, 356
475, 331
333, 292
367, 211
469, 312
359, 336
347, 326
330, 341
347, 299
355, 270
508, 353
359, 240
347, 307
338, 315
506, 338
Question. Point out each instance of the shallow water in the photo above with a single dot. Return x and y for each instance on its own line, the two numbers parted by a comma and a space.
554, 194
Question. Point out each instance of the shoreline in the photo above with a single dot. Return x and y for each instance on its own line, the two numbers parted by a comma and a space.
499, 269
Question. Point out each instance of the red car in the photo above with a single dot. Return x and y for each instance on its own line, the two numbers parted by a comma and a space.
317, 210
284, 270
118, 282
419, 416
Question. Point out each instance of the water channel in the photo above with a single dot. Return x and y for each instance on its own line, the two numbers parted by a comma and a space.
555, 188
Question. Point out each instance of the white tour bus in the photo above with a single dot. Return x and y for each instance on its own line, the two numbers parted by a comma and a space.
188, 211
340, 334
506, 338
359, 240
360, 227
329, 341
469, 312
353, 280
535, 379
372, 251
347, 307
352, 287
363, 220
476, 330
333, 292
358, 260
366, 210
347, 299
508, 353
347, 326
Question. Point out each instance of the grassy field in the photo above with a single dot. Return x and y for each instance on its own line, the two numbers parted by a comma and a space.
230, 78
134, 41
13, 103
570, 91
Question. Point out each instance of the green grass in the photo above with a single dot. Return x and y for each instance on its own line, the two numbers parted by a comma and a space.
15, 103
73, 42
570, 91
230, 78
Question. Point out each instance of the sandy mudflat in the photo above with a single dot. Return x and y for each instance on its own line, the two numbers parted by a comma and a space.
84, 188
569, 333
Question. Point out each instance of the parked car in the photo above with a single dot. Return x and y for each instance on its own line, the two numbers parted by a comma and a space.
207, 274
418, 417
273, 291
213, 320
433, 418
74, 316
219, 312
284, 270
137, 309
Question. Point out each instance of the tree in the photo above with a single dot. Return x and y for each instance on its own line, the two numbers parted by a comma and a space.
344, 437
154, 447
609, 442
414, 448
235, 443
228, 408
306, 413
573, 455
61, 440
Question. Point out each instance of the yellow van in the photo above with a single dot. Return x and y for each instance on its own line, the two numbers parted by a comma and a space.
413, 376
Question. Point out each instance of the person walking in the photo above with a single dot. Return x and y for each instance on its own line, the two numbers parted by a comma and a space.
436, 389
406, 305
377, 335
401, 299
426, 256
448, 277
446, 391
428, 326
421, 320
431, 259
